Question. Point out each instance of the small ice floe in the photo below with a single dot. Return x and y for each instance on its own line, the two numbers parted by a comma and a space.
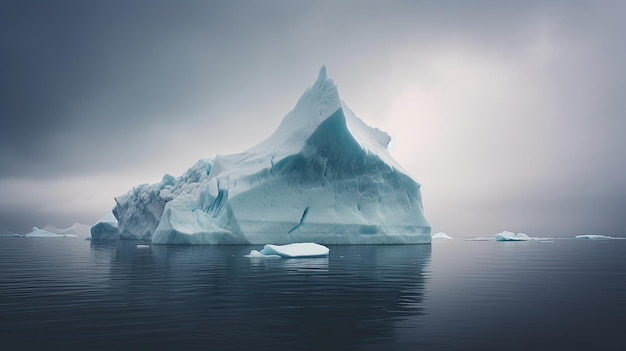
141, 246
441, 235
290, 251
257, 254
510, 236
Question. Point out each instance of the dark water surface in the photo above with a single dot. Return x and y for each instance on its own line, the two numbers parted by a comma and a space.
67, 293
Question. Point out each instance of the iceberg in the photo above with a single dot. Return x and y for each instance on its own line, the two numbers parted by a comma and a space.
510, 236
441, 235
105, 228
323, 176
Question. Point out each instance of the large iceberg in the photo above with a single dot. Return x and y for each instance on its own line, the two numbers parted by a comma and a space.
323, 176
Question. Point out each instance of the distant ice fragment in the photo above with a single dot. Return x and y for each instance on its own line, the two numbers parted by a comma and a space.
291, 250
594, 236
140, 246
77, 229
510, 236
40, 233
441, 235
480, 238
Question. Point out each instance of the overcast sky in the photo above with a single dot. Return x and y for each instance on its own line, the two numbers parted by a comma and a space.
510, 115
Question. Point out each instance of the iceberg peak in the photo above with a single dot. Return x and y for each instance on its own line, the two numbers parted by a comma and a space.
322, 76
323, 176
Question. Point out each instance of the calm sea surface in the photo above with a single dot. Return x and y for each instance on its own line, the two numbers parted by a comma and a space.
68, 293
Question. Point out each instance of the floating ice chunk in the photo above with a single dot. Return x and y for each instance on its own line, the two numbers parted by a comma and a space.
296, 250
292, 250
257, 254
143, 246
510, 236
40, 233
441, 235
594, 236
480, 238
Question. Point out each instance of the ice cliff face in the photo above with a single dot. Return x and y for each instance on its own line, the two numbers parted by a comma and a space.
322, 176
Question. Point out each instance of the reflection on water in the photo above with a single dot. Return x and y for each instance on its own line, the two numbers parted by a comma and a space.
212, 297
66, 293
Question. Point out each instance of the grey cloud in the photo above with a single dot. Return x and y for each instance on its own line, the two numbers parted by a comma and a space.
147, 86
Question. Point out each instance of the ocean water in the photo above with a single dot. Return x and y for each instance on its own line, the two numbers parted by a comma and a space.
68, 293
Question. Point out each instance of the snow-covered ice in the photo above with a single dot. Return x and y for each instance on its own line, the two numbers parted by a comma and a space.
291, 251
510, 236
323, 176
441, 235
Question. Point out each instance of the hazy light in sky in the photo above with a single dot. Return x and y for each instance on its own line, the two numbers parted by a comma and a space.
510, 115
